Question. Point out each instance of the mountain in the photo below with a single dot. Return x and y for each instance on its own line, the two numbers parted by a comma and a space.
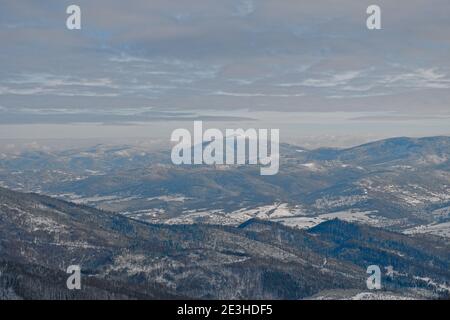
129, 259
401, 183
403, 150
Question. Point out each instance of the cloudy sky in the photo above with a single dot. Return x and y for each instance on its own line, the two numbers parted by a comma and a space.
309, 67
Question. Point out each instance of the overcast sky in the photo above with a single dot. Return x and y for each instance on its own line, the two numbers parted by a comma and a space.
228, 61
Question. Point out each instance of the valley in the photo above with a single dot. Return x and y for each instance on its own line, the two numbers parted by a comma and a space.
124, 258
402, 184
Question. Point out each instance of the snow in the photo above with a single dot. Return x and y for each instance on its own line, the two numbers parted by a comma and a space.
328, 203
350, 216
379, 296
95, 198
281, 210
439, 229
122, 153
155, 215
35, 223
301, 222
175, 198
310, 165
430, 282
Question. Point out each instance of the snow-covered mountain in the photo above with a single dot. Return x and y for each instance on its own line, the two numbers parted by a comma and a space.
124, 258
400, 183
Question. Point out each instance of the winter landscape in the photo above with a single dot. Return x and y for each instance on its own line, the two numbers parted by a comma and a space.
354, 97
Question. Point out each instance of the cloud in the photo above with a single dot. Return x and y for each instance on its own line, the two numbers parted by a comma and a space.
72, 86
123, 115
251, 95
374, 82
24, 91
126, 58
226, 55
245, 8
33, 91
329, 80
353, 96
51, 80
418, 78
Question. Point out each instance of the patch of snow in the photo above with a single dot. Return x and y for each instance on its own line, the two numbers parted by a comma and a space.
439, 229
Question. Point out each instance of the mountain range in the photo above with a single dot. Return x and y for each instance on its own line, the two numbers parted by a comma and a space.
124, 258
402, 184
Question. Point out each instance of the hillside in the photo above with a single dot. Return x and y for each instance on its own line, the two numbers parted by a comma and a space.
121, 257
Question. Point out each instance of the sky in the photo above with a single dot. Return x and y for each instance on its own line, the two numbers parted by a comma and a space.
144, 67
